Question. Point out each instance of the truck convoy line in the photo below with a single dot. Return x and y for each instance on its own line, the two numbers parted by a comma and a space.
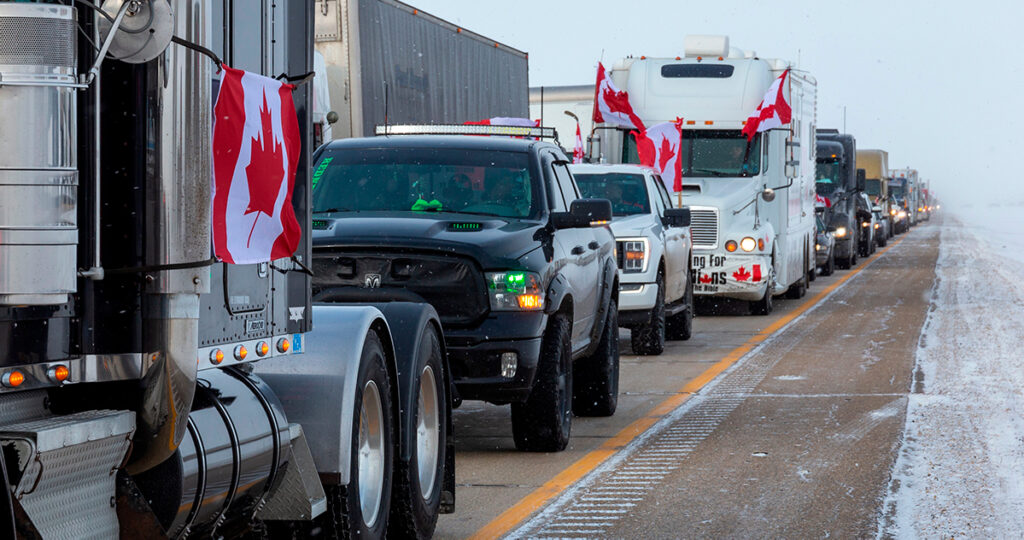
148, 389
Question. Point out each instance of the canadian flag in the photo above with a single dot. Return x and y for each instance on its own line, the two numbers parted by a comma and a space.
505, 121
256, 144
577, 151
818, 199
658, 148
611, 105
773, 111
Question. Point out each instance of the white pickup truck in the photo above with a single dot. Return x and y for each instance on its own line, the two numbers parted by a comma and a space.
654, 253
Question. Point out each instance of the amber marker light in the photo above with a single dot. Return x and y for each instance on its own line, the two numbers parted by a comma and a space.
216, 356
730, 246
241, 352
530, 301
262, 348
58, 374
13, 379
283, 345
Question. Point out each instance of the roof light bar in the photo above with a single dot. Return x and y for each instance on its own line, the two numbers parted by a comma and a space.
470, 129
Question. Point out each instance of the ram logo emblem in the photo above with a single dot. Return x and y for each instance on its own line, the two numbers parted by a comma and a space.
372, 281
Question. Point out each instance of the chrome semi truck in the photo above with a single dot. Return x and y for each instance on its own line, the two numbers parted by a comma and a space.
146, 389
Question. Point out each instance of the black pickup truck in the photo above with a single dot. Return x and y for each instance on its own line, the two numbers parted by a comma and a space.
493, 233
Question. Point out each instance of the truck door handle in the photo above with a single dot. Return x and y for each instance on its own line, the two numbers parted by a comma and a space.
578, 250
593, 245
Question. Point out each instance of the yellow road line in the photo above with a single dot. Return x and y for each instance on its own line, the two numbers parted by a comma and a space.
529, 504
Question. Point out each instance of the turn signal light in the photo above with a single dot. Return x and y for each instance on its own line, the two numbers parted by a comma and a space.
241, 352
216, 356
58, 374
283, 345
262, 348
530, 301
13, 379
760, 244
730, 246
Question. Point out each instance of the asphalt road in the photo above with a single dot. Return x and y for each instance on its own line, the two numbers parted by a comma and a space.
777, 426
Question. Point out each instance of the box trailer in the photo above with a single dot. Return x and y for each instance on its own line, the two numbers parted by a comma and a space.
389, 62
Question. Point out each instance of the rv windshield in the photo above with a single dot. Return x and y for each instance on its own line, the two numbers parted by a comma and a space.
711, 152
424, 180
827, 176
627, 192
874, 187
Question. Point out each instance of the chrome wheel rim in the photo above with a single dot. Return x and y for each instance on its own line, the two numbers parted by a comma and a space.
371, 454
428, 432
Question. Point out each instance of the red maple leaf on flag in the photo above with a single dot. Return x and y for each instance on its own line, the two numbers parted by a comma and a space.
741, 274
265, 171
705, 279
666, 155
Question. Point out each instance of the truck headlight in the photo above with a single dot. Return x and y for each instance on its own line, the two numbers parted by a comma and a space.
748, 244
514, 291
634, 256
840, 232
902, 214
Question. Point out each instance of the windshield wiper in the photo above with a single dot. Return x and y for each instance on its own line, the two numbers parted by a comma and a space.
710, 172
329, 210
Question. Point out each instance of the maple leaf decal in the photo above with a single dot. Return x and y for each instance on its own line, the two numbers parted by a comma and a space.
265, 171
705, 279
741, 274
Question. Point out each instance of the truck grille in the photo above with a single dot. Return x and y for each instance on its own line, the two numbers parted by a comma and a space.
452, 284
704, 227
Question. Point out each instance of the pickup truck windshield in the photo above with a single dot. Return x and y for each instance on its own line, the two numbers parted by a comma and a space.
424, 180
711, 153
627, 192
827, 176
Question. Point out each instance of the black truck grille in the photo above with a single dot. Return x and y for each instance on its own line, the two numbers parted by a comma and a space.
451, 283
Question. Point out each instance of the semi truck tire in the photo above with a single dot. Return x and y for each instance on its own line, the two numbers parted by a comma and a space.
596, 378
764, 305
418, 484
361, 508
799, 289
543, 422
649, 339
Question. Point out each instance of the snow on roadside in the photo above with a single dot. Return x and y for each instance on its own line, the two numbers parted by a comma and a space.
960, 470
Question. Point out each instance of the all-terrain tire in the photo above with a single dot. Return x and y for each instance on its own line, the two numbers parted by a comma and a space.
416, 496
543, 422
649, 339
595, 379
680, 325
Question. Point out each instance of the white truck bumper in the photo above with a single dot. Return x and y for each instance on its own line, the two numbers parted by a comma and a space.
637, 296
731, 275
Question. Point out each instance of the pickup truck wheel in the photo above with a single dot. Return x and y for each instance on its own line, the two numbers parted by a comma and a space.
360, 509
417, 491
649, 339
830, 265
543, 422
596, 378
680, 325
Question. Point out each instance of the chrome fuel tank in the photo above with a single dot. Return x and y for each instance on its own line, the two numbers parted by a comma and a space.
38, 165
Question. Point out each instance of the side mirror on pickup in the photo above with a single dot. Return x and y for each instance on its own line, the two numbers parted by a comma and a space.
677, 217
583, 213
862, 180
876, 208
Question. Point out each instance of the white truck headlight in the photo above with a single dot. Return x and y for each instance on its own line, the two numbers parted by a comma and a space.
634, 256
840, 232
514, 291
748, 244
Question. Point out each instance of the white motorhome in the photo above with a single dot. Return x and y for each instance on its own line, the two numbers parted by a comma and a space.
752, 209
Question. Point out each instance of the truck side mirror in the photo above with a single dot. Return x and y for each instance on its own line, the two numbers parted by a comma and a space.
583, 213
862, 180
332, 117
677, 217
768, 194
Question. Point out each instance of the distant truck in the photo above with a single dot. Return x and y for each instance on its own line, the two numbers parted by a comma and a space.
876, 168
901, 187
388, 62
836, 180
753, 217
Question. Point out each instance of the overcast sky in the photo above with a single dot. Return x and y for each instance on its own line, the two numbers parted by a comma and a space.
938, 84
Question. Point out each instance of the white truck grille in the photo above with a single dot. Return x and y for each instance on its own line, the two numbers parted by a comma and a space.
704, 227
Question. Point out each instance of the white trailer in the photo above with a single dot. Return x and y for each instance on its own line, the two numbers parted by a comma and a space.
551, 103
753, 209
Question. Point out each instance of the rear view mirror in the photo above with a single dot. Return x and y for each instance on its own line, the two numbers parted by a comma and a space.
583, 213
862, 180
677, 217
332, 117
768, 194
